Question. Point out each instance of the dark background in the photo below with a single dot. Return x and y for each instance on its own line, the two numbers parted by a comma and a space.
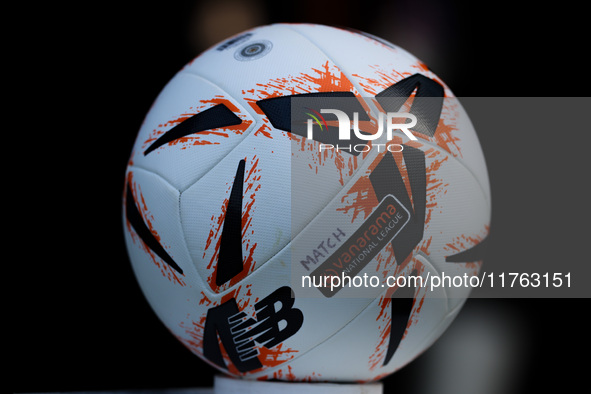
79, 321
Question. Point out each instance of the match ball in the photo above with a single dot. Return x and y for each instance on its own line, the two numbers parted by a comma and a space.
242, 206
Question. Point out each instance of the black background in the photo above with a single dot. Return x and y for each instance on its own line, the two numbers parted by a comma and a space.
93, 69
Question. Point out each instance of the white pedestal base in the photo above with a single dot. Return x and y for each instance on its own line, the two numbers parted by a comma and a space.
226, 385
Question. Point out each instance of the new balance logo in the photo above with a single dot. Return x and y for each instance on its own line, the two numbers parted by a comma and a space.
276, 320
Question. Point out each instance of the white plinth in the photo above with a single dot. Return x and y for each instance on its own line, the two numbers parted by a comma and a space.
226, 385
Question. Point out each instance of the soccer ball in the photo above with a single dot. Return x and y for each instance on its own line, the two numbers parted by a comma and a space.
243, 205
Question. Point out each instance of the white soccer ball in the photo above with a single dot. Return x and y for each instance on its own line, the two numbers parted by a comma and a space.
227, 207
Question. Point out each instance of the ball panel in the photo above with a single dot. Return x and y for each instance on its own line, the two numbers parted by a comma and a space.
264, 223
286, 69
384, 64
185, 159
158, 253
